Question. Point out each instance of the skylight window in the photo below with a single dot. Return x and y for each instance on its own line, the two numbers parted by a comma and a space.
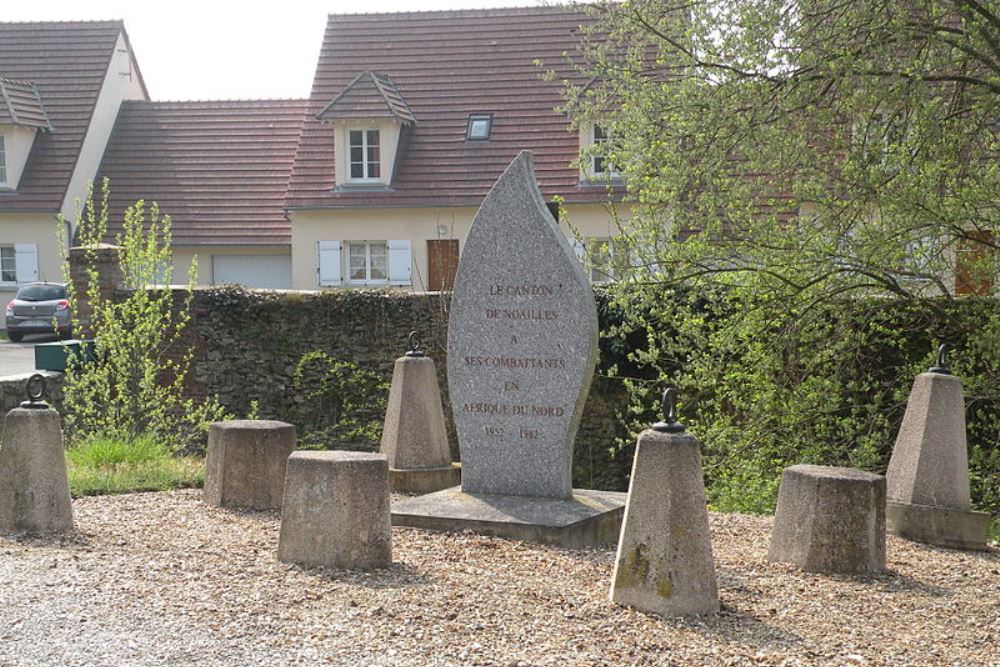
479, 126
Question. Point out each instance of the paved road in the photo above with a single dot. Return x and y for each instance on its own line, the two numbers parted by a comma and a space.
17, 358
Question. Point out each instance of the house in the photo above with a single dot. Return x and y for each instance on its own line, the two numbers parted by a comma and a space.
412, 118
61, 85
220, 170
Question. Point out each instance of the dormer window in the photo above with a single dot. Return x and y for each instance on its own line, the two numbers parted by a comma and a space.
601, 165
479, 128
365, 156
369, 118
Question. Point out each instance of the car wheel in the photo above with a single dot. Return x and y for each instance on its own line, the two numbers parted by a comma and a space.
15, 336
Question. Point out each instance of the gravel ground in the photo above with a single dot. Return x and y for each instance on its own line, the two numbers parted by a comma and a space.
161, 579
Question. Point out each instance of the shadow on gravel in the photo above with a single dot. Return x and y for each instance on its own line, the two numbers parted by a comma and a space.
894, 581
68, 541
398, 575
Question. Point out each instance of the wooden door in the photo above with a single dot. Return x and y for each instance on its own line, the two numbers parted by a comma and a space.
442, 261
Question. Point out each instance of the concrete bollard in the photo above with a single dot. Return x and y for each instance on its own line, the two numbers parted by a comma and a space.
928, 496
245, 466
335, 511
830, 520
664, 563
414, 439
34, 489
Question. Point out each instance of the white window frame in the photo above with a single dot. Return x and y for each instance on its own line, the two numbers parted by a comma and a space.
608, 169
366, 164
25, 263
8, 252
3, 160
367, 280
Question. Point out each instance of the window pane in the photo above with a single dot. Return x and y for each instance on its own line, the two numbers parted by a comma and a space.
357, 154
479, 127
358, 262
357, 170
600, 134
599, 167
373, 137
379, 264
8, 269
355, 138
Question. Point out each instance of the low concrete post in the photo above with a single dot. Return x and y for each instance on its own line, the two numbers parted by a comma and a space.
34, 488
335, 511
245, 466
664, 563
830, 520
414, 439
928, 496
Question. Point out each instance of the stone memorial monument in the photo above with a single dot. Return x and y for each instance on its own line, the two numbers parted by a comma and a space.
927, 496
34, 489
522, 346
664, 564
414, 438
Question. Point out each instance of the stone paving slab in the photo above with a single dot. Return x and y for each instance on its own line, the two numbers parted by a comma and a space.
588, 519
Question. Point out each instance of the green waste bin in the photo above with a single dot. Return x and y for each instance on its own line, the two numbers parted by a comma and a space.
55, 356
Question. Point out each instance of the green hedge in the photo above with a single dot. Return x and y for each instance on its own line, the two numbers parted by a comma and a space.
764, 389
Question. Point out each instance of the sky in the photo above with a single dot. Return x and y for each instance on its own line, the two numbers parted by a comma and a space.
210, 50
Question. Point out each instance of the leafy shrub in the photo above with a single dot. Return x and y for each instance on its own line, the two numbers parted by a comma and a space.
135, 388
339, 404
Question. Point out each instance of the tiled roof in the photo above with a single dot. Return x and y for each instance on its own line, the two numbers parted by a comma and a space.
20, 104
448, 65
67, 62
219, 169
369, 95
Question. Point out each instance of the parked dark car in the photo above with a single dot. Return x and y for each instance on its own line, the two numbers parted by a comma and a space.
39, 308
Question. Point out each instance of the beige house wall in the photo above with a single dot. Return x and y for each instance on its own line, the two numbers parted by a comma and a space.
418, 225
17, 146
39, 229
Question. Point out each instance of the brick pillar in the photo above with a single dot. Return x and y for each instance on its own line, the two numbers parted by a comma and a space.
103, 258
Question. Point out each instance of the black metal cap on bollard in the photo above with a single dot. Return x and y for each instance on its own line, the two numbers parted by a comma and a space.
36, 390
669, 407
416, 345
942, 361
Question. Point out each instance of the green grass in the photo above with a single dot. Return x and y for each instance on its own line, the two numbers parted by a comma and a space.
106, 465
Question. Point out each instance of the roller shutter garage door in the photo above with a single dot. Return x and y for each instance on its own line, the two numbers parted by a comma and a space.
260, 271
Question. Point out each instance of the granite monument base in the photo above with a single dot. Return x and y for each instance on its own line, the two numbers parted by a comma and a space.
424, 480
588, 519
938, 526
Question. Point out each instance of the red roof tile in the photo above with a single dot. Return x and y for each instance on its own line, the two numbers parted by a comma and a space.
20, 104
219, 169
448, 65
369, 95
67, 62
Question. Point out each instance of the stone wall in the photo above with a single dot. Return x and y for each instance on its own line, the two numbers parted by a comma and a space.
248, 343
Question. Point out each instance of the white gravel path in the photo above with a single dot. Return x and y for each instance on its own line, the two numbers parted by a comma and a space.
161, 579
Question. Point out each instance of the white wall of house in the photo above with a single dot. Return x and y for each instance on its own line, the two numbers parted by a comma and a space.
313, 234
17, 143
20, 234
121, 82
